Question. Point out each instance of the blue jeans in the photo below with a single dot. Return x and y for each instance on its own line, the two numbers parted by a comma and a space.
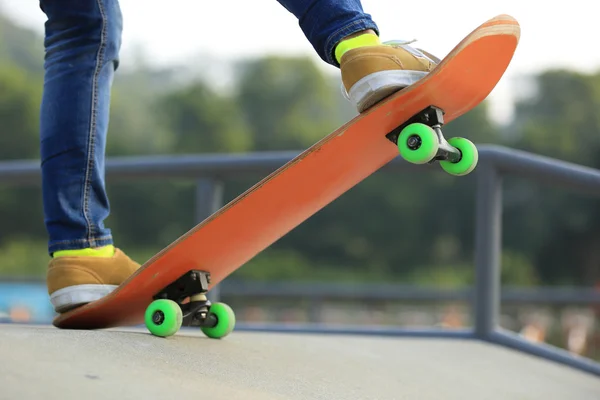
82, 41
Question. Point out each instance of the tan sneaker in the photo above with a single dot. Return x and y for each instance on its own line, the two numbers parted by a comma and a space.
372, 73
74, 281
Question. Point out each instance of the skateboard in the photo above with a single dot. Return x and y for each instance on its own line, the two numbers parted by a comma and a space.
169, 290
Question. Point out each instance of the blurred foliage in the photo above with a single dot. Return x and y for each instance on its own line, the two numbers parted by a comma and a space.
392, 227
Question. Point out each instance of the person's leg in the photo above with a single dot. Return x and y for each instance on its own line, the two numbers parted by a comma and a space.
326, 22
344, 36
82, 42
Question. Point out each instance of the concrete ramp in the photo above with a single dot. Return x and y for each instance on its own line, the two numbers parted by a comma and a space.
47, 363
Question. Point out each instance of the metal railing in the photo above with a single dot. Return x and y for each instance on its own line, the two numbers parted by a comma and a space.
494, 162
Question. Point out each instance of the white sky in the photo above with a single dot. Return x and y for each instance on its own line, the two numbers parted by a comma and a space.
552, 35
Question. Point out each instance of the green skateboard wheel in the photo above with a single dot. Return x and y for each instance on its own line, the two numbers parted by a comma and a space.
418, 143
468, 160
163, 317
225, 321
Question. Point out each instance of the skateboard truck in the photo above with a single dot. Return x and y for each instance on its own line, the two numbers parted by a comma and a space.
169, 310
192, 285
420, 141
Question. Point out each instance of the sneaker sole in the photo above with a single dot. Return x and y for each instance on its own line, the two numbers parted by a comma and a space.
375, 87
73, 296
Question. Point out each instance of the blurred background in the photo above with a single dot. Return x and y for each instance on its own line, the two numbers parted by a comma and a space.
197, 78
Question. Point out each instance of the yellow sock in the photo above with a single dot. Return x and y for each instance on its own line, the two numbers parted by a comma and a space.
366, 39
105, 251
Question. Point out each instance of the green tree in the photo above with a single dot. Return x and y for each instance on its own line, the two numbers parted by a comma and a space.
20, 46
287, 103
560, 229
202, 121
20, 207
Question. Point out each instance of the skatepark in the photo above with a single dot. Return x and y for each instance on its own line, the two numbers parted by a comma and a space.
324, 360
420, 282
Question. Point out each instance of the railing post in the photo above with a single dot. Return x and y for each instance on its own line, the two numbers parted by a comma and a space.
488, 242
209, 198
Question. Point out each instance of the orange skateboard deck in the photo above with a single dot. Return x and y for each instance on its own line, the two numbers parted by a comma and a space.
408, 123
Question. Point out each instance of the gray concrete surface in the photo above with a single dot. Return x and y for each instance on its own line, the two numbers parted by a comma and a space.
46, 363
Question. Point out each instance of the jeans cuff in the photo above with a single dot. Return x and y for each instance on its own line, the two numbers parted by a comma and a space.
78, 244
348, 29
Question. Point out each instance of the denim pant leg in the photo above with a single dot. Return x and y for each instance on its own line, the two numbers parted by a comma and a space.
326, 22
82, 41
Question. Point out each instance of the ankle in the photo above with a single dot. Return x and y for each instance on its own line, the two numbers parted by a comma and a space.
358, 39
104, 251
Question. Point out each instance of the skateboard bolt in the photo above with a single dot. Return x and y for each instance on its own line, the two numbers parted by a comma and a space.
414, 142
158, 317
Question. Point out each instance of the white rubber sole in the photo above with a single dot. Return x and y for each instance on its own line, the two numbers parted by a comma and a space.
377, 86
73, 296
